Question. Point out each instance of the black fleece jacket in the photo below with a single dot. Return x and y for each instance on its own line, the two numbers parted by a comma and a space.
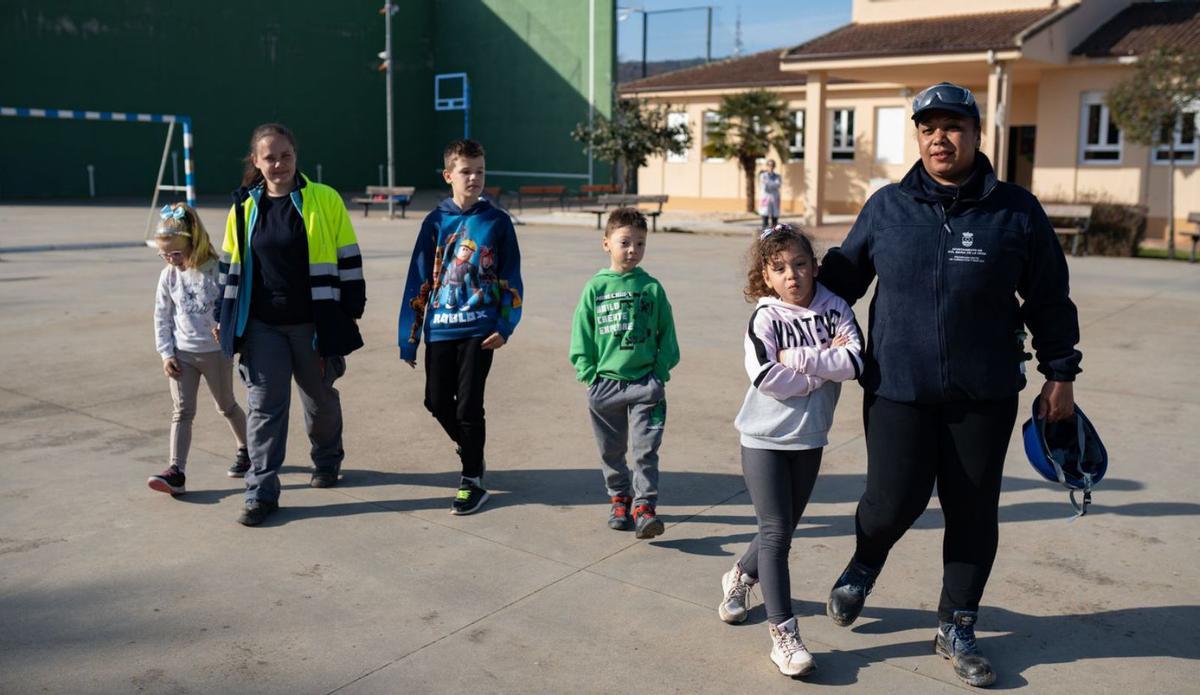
945, 322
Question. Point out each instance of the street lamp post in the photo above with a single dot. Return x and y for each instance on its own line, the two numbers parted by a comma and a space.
389, 9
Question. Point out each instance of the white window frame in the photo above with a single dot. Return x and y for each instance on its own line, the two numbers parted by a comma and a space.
841, 150
710, 118
899, 136
1161, 152
796, 150
675, 118
1088, 100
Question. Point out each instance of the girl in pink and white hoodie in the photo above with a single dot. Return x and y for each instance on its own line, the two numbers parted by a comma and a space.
802, 342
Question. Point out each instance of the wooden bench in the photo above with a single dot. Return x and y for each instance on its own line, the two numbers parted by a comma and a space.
1194, 218
589, 191
1077, 217
623, 200
493, 194
541, 194
378, 195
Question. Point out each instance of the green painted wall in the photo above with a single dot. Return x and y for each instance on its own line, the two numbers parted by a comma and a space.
308, 63
528, 65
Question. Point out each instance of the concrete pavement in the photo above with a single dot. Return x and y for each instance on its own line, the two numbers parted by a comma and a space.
373, 587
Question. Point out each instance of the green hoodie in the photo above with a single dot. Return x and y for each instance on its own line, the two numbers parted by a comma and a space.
623, 328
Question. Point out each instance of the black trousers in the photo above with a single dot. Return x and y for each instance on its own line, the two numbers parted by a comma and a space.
958, 446
455, 375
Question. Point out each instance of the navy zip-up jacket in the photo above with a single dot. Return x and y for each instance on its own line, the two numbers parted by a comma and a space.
945, 322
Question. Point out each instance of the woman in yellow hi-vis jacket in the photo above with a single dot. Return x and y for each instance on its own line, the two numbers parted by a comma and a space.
292, 288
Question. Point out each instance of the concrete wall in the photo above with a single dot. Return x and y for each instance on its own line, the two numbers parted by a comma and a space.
700, 184
1059, 176
897, 10
231, 66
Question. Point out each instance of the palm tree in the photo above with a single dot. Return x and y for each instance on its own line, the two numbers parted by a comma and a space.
751, 124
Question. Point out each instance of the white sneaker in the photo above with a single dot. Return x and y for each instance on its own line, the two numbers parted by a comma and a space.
788, 651
736, 586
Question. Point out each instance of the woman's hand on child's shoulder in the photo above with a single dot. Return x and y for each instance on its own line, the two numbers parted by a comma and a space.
171, 367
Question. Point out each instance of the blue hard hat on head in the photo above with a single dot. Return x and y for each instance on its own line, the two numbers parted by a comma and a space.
945, 96
1068, 452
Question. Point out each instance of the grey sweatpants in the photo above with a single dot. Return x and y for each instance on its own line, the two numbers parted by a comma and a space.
271, 356
780, 482
217, 370
629, 415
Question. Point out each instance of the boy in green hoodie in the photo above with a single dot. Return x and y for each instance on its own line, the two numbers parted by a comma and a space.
623, 347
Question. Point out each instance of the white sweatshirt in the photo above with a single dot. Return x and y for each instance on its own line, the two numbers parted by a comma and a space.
794, 373
184, 308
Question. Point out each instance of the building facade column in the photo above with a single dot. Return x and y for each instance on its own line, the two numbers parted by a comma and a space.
816, 141
995, 132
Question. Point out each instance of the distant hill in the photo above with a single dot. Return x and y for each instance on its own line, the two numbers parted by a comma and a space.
630, 70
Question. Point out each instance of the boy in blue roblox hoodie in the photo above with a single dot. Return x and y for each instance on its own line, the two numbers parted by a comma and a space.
464, 295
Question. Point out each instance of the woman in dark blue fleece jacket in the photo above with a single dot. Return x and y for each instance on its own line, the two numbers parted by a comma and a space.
952, 248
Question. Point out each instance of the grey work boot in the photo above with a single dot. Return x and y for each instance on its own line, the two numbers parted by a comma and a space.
956, 641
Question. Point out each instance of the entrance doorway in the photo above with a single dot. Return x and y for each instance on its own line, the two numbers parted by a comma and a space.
1021, 139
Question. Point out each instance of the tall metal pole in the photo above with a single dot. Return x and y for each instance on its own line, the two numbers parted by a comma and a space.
708, 45
645, 16
387, 49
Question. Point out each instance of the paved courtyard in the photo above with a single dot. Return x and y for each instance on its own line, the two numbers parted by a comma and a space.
373, 587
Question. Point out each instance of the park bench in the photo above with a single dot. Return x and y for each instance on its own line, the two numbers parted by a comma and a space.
1194, 218
1077, 219
537, 194
378, 195
588, 191
623, 200
493, 194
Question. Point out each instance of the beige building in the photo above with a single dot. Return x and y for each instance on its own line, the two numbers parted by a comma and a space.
1039, 69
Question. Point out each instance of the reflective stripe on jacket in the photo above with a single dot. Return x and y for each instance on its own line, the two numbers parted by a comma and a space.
334, 268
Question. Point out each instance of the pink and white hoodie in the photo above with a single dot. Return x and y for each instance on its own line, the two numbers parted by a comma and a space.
795, 373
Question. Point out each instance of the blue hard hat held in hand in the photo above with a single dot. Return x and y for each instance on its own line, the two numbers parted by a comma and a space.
1068, 452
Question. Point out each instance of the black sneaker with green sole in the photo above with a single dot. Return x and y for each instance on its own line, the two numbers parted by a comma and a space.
469, 499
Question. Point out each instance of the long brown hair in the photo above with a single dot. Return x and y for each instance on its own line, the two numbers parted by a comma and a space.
192, 228
251, 176
764, 250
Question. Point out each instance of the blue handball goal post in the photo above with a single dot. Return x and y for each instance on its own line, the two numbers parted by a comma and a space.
185, 122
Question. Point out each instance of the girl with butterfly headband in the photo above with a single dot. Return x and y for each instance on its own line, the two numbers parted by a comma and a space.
184, 316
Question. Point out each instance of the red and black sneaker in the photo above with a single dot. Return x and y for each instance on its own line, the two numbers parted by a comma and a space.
618, 518
646, 523
170, 481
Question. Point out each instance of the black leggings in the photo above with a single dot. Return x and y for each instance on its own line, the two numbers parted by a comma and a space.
770, 221
780, 482
961, 447
456, 372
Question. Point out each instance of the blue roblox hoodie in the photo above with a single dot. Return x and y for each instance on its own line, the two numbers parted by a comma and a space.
464, 280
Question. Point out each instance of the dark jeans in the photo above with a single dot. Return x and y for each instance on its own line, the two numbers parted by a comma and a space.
270, 358
958, 446
455, 375
780, 483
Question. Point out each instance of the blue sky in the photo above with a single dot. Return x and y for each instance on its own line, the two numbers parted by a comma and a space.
765, 24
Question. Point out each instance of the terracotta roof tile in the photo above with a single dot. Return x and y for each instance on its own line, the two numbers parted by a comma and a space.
754, 70
1143, 26
976, 32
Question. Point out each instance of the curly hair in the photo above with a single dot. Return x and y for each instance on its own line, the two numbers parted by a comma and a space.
764, 250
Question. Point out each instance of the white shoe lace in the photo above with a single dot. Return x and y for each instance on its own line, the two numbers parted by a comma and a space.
790, 644
738, 592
